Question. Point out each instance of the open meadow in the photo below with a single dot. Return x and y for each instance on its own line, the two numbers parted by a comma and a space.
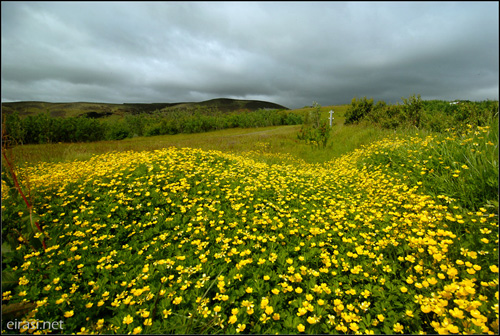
252, 231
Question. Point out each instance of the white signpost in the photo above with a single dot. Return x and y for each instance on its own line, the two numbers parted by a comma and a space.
331, 117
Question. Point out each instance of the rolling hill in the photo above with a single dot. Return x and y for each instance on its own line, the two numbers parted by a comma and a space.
98, 110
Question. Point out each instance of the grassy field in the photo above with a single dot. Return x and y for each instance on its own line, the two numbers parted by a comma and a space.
252, 231
277, 139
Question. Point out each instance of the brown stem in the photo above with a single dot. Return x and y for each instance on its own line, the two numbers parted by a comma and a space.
14, 177
25, 240
18, 187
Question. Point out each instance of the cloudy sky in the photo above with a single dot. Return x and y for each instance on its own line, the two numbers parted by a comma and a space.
290, 53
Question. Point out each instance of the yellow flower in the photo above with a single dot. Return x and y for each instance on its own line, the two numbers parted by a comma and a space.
354, 327
177, 300
232, 319
148, 322
137, 330
404, 289
312, 319
249, 290
494, 268
302, 311
276, 316
69, 313
452, 328
398, 328
23, 281
128, 319
240, 327
452, 272
301, 328
426, 308
455, 312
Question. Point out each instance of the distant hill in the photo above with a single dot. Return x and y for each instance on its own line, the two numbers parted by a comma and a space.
99, 110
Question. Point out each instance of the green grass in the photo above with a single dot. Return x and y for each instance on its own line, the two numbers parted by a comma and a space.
461, 165
272, 140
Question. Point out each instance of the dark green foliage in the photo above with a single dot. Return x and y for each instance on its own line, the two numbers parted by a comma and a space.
196, 121
407, 115
412, 110
136, 124
14, 129
118, 131
358, 110
432, 115
42, 128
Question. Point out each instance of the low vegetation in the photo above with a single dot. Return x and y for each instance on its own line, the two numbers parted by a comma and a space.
433, 115
42, 128
382, 230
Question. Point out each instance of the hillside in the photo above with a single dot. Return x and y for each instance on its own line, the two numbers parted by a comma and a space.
98, 110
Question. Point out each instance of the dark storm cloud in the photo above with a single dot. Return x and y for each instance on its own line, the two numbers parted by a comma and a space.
289, 53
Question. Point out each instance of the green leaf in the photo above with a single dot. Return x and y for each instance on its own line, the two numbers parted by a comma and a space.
6, 248
9, 280
289, 322
19, 309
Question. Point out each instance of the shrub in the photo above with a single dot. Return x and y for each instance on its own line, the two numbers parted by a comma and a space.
118, 131
358, 110
314, 131
412, 110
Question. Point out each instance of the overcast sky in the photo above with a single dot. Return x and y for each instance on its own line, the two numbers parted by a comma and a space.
290, 53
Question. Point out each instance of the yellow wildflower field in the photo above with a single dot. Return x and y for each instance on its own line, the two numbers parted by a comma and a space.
193, 241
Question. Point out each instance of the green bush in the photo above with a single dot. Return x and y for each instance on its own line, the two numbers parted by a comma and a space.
412, 110
314, 131
14, 129
358, 110
433, 115
118, 131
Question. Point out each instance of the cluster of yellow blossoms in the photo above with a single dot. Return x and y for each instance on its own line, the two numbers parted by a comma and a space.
184, 240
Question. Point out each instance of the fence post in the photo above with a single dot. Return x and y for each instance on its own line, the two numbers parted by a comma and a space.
331, 117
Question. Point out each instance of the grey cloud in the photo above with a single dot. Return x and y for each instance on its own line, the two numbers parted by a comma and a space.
288, 53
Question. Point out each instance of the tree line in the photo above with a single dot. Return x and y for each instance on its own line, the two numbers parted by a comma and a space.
42, 128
